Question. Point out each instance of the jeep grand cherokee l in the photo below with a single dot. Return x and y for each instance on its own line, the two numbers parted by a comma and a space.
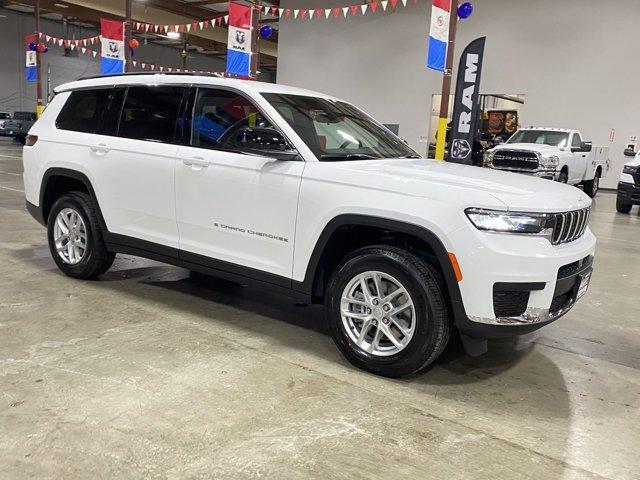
303, 193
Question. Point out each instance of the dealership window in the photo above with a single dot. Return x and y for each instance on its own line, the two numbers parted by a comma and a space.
151, 113
218, 117
83, 110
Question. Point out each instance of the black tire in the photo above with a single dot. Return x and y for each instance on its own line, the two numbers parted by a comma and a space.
21, 139
426, 289
591, 186
96, 259
623, 207
563, 178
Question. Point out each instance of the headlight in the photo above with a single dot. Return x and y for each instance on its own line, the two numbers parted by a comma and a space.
630, 169
487, 159
550, 161
511, 222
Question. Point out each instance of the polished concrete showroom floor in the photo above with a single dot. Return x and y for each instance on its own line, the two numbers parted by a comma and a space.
151, 373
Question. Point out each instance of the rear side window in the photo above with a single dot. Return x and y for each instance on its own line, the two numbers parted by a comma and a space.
151, 113
83, 110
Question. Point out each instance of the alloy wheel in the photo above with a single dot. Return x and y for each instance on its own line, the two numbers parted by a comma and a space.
378, 313
70, 236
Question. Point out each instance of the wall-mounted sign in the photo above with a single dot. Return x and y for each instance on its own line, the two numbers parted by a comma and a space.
612, 135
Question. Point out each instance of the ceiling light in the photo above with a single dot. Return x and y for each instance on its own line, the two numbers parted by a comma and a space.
60, 5
173, 34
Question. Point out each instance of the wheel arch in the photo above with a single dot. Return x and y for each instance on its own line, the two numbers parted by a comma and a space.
57, 181
333, 233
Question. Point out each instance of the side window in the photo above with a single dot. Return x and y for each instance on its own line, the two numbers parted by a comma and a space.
151, 113
220, 115
83, 110
111, 117
576, 140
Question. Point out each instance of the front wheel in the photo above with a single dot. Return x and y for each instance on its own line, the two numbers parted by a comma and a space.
623, 207
591, 186
386, 311
563, 177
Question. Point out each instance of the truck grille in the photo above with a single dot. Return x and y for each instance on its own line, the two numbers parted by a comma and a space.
515, 160
570, 226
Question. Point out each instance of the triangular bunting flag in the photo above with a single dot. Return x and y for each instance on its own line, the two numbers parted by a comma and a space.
280, 10
134, 63
345, 10
177, 28
83, 50
354, 9
404, 3
143, 65
94, 53
327, 12
188, 27
384, 4
394, 3
201, 25
364, 8
318, 12
146, 27
295, 13
303, 12
226, 19
374, 6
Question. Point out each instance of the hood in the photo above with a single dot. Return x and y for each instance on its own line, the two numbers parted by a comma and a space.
530, 147
635, 162
463, 184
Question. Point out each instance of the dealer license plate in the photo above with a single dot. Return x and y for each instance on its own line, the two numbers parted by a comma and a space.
584, 285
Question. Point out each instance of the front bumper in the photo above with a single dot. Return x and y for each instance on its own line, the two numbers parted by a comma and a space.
629, 193
539, 282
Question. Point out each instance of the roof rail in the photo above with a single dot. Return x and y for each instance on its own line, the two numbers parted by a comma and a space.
127, 74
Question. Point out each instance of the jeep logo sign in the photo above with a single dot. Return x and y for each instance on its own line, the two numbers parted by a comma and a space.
465, 103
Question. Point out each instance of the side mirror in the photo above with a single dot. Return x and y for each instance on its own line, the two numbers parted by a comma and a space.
584, 147
265, 141
629, 152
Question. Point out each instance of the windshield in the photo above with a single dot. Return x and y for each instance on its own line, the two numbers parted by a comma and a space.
546, 137
337, 131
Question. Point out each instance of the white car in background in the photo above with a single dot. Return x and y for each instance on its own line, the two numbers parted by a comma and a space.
305, 194
554, 153
629, 184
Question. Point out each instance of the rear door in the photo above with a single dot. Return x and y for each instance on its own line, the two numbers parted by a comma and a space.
133, 161
231, 206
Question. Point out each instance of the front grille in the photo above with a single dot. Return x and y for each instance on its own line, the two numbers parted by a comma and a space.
570, 226
515, 160
510, 304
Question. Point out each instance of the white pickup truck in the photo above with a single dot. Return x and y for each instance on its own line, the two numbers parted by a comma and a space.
554, 153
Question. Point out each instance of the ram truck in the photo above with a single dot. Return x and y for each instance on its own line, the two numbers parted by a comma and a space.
629, 184
553, 153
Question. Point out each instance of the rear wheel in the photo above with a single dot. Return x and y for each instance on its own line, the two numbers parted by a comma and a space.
75, 239
622, 206
591, 186
386, 311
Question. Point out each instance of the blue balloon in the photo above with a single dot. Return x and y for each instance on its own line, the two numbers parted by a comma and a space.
465, 10
32, 46
266, 31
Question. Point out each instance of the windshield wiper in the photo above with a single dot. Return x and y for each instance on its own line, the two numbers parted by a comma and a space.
350, 156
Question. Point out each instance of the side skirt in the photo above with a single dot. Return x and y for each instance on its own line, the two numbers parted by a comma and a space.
202, 264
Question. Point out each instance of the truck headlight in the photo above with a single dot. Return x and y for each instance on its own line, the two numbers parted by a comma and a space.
487, 159
550, 161
629, 169
511, 222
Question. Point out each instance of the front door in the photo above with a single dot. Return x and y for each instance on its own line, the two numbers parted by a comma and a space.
578, 163
231, 206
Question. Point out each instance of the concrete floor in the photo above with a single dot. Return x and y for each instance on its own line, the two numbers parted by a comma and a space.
149, 373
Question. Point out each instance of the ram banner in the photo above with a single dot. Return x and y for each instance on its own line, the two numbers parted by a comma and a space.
239, 40
465, 104
438, 34
112, 43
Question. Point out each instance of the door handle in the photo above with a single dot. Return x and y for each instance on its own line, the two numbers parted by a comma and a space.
100, 148
196, 162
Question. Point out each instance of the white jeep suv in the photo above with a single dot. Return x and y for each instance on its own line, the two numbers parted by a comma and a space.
303, 193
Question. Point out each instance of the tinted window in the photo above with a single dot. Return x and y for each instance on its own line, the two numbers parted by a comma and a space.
83, 110
25, 116
219, 115
111, 117
151, 113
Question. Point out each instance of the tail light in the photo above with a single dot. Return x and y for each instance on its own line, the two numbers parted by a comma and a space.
30, 140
